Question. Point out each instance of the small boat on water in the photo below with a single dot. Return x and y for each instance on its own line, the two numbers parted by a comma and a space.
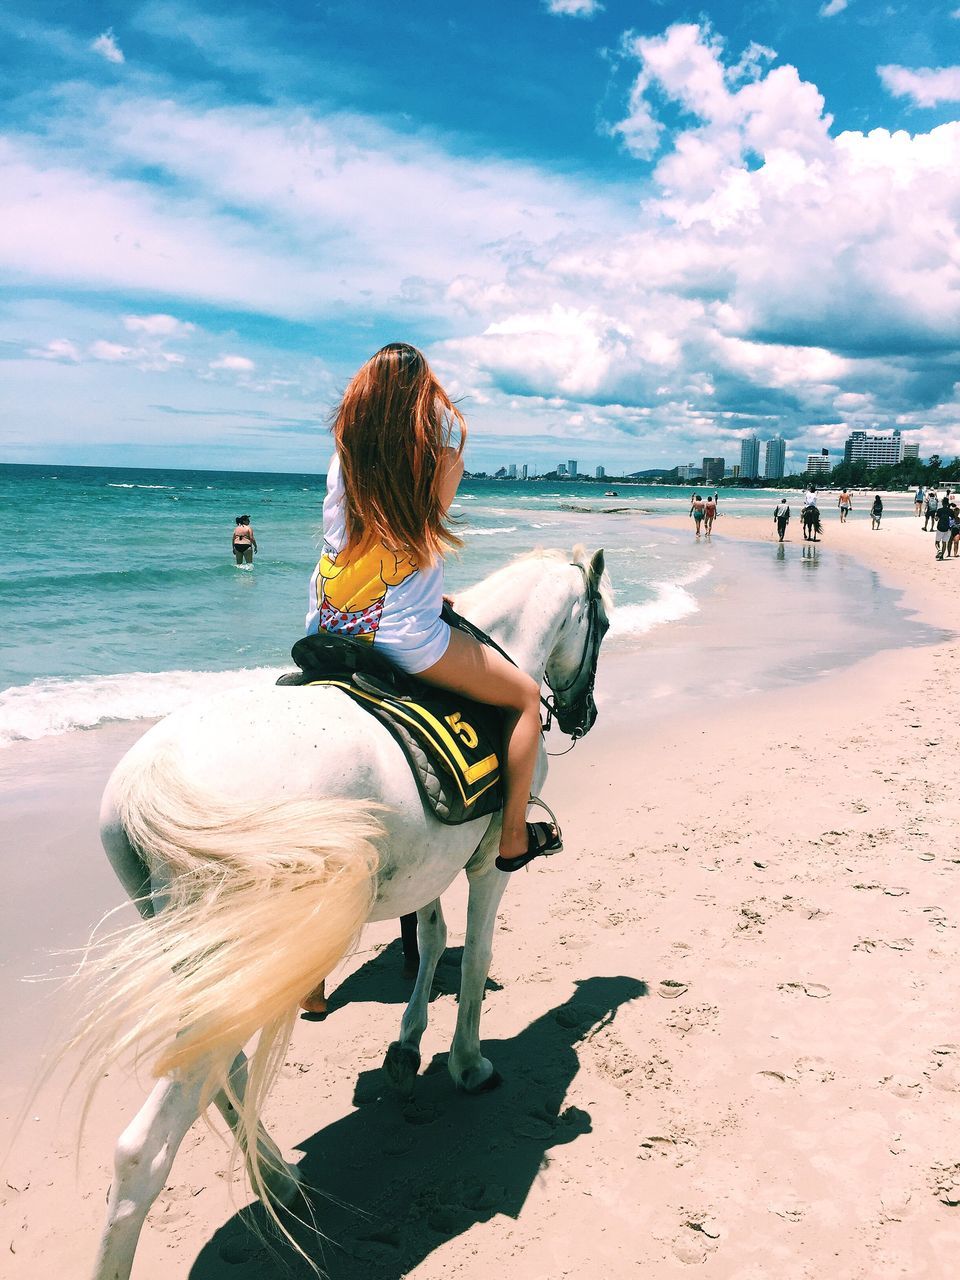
611, 493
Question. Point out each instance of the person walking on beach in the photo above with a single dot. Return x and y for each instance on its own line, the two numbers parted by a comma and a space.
845, 503
390, 484
942, 530
953, 546
709, 515
918, 501
244, 543
876, 512
781, 517
698, 509
930, 510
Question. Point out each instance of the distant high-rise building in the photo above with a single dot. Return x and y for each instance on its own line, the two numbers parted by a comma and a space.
561, 468
572, 467
713, 469
773, 463
818, 464
911, 451
600, 473
749, 458
523, 472
512, 471
688, 471
876, 451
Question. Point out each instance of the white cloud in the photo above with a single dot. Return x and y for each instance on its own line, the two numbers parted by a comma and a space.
112, 352
106, 45
926, 86
158, 326
761, 271
833, 7
60, 349
574, 8
234, 364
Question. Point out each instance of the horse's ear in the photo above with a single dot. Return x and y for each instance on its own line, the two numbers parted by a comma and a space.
595, 572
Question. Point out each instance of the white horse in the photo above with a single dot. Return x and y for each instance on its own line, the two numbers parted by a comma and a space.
258, 832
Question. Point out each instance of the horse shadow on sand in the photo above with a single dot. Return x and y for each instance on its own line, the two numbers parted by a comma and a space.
383, 980
399, 1177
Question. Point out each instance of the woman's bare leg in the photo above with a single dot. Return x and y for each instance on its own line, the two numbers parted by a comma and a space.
486, 676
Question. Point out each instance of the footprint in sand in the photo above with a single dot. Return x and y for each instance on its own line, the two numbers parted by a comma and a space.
894, 1204
775, 1080
944, 1070
902, 1086
239, 1250
816, 1069
701, 1235
945, 1183
677, 1150
789, 1209
816, 990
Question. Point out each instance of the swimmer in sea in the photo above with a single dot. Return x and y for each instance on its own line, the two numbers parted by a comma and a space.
244, 543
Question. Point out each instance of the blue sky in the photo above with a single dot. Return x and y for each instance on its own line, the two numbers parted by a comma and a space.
630, 233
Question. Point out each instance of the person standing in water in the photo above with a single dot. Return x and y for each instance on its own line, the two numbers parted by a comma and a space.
876, 512
845, 503
244, 543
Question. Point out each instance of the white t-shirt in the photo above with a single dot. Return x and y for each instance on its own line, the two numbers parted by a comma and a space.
381, 597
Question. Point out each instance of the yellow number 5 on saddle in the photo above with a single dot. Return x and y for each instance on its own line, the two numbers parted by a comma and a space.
465, 732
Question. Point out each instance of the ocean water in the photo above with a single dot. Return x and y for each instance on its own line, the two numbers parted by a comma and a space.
119, 597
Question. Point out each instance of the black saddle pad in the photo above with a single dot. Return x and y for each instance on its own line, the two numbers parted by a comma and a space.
451, 743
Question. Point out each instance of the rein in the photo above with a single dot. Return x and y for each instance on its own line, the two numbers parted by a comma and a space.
591, 651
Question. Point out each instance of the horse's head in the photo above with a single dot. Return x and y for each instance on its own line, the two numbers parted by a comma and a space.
572, 666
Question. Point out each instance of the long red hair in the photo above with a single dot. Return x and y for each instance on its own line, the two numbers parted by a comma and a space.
391, 430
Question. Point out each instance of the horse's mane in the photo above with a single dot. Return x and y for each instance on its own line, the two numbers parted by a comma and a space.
537, 555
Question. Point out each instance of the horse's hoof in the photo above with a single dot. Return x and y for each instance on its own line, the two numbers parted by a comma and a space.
401, 1066
493, 1081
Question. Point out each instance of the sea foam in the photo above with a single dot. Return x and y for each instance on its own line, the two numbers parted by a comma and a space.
48, 707
671, 602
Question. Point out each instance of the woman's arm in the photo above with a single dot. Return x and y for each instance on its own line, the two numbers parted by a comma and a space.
451, 472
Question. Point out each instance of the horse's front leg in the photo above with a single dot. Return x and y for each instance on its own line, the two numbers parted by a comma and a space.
403, 1057
469, 1069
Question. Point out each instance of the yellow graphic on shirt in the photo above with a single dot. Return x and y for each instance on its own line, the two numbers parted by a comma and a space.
350, 595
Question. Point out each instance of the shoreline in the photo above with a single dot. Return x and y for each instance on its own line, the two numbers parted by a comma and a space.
780, 1097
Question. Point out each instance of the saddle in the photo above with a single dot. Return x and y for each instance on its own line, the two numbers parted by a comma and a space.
451, 743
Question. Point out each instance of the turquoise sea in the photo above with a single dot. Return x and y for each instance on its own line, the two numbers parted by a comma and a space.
119, 597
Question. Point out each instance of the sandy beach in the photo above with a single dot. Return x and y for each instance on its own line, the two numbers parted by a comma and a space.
725, 1016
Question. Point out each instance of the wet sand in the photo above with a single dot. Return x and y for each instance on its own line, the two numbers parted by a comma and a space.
726, 1015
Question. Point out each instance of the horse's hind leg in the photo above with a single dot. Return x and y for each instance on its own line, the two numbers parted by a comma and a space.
143, 1160
281, 1180
403, 1057
470, 1070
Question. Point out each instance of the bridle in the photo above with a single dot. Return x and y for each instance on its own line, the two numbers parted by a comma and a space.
596, 629
588, 662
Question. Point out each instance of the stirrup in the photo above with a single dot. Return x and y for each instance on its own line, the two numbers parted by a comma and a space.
553, 845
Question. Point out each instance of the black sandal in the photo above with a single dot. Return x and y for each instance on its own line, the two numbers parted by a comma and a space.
543, 839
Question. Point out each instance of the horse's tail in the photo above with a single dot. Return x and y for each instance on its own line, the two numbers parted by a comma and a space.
260, 902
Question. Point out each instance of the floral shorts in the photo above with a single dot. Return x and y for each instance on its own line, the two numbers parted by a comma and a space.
360, 623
